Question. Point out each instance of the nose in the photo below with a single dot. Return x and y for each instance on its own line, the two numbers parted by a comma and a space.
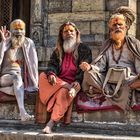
117, 26
68, 32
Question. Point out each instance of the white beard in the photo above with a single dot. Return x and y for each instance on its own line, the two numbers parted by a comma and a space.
69, 45
17, 41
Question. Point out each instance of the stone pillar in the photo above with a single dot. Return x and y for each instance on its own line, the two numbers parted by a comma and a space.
133, 5
138, 20
36, 30
38, 27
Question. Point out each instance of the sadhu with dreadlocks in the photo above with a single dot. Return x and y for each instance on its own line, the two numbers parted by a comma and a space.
61, 82
116, 70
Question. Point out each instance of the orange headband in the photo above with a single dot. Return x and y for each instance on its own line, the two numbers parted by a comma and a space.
17, 24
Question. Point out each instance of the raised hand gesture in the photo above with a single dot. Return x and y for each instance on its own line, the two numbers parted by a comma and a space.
4, 33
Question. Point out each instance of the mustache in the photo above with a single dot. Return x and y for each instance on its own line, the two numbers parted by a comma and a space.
118, 31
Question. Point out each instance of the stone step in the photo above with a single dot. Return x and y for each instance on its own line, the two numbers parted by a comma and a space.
15, 130
9, 109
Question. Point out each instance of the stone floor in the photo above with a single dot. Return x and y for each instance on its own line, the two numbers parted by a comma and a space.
14, 130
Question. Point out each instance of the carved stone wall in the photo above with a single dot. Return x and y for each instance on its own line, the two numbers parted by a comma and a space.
90, 16
138, 20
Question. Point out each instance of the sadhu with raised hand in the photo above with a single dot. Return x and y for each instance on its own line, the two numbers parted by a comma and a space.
18, 58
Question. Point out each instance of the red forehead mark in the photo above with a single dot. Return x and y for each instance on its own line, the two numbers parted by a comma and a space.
115, 20
19, 24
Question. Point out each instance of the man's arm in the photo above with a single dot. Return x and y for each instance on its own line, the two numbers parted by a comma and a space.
53, 65
53, 68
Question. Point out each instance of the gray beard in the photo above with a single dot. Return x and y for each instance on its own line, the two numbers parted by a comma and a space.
17, 41
69, 45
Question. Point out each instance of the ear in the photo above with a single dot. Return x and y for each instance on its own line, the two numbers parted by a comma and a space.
127, 27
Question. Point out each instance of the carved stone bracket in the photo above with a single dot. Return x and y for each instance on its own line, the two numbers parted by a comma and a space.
36, 27
37, 35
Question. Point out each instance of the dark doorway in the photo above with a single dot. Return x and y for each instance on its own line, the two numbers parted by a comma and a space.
13, 9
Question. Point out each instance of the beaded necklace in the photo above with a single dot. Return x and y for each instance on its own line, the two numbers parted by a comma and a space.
118, 58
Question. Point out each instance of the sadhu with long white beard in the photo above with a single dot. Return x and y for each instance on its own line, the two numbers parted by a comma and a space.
60, 83
18, 62
117, 67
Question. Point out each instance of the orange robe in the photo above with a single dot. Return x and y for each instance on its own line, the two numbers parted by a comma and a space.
55, 98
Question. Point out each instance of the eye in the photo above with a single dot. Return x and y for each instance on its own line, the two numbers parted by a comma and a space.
65, 31
120, 24
114, 25
71, 30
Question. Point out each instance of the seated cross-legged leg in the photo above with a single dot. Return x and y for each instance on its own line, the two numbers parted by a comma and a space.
58, 109
8, 80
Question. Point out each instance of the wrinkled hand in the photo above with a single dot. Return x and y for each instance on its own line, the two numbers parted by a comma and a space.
76, 86
5, 34
75, 89
84, 66
52, 79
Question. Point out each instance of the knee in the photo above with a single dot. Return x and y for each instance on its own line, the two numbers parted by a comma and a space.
17, 77
62, 93
42, 76
17, 80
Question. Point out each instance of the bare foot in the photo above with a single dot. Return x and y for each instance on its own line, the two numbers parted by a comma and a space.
26, 117
48, 128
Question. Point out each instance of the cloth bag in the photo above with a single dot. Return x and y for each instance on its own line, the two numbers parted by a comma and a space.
115, 76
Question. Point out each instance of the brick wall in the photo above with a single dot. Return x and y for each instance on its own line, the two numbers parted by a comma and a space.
90, 16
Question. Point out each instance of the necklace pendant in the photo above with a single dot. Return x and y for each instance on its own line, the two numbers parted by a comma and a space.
118, 58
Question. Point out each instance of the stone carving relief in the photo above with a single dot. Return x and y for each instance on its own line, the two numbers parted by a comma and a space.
37, 35
36, 10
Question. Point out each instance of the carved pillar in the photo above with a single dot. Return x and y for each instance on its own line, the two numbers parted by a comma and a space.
138, 20
36, 27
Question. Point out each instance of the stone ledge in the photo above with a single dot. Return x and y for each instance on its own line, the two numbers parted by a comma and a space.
30, 98
33, 135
